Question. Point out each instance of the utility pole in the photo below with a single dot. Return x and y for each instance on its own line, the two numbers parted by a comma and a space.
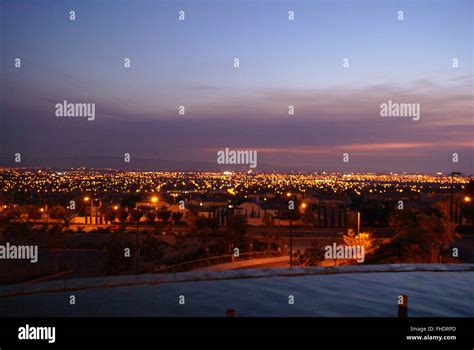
291, 240
137, 258
451, 206
358, 222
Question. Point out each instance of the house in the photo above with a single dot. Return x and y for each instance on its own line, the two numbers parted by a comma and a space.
259, 213
329, 209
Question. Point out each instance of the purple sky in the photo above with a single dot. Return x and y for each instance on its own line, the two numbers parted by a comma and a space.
337, 110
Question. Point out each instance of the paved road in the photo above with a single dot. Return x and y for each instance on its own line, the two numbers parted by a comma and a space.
281, 261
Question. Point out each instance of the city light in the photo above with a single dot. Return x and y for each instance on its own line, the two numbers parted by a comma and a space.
240, 184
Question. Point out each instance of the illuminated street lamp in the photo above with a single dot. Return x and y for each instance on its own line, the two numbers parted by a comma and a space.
154, 199
290, 214
451, 205
88, 199
463, 206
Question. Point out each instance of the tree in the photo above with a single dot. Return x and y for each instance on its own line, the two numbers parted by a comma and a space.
150, 216
123, 217
180, 242
236, 231
164, 214
312, 256
421, 236
309, 218
20, 231
32, 213
116, 262
136, 216
204, 226
153, 248
176, 217
130, 200
270, 234
290, 214
364, 239
58, 212
110, 214
14, 214
55, 242
16, 222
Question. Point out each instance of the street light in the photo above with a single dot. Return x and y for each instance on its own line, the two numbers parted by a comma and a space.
88, 199
466, 201
290, 214
451, 205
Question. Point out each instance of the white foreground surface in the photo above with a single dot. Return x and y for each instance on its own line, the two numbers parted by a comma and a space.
433, 290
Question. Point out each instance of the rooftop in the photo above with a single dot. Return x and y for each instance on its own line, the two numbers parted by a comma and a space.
353, 290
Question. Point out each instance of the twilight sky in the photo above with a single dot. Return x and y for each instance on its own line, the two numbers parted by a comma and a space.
282, 63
